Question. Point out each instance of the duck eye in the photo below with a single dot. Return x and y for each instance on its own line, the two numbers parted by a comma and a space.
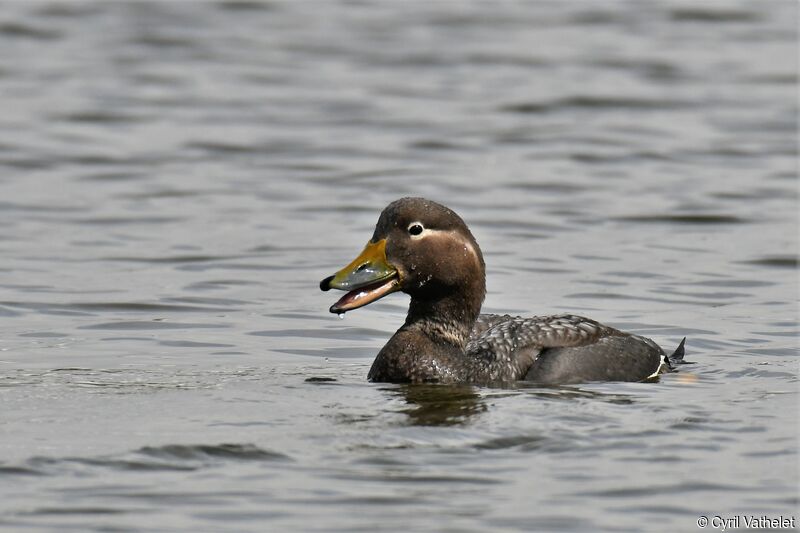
415, 229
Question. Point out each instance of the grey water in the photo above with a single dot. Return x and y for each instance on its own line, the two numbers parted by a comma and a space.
176, 178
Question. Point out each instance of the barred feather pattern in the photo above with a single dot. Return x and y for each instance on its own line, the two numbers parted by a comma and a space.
502, 348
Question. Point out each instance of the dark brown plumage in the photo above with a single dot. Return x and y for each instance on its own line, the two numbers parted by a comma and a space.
426, 250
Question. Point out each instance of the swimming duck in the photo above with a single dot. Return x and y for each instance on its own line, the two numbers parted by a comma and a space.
426, 250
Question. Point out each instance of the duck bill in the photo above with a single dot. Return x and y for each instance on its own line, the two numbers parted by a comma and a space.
368, 278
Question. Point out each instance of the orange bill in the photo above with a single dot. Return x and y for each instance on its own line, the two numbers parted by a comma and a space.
367, 278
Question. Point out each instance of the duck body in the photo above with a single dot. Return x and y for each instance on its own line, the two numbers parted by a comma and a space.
557, 349
426, 250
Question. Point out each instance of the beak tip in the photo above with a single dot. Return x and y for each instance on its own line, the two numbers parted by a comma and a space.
325, 284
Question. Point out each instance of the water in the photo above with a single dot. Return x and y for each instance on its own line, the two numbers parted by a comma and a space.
176, 178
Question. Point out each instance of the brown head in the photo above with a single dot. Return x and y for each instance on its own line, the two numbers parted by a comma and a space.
423, 249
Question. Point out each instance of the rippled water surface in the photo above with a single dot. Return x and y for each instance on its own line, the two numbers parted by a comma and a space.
176, 178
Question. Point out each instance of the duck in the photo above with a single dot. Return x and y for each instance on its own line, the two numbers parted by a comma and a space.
426, 250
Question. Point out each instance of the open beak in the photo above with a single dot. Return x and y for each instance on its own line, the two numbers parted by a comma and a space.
368, 278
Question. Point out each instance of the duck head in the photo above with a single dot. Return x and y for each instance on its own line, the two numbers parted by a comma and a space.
421, 248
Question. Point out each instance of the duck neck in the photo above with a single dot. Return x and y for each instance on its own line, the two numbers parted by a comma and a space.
448, 319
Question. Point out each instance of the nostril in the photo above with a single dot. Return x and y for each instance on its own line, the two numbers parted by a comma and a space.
325, 284
362, 267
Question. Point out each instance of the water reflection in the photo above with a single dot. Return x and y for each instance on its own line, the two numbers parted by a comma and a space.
571, 392
440, 405
453, 405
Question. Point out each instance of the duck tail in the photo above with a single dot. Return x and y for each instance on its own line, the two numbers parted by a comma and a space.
676, 358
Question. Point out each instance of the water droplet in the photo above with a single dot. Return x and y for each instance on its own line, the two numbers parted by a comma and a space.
340, 315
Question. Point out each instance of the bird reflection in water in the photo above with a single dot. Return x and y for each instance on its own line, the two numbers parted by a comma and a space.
440, 405
453, 405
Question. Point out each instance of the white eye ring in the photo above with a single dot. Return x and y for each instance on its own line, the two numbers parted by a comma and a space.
416, 229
